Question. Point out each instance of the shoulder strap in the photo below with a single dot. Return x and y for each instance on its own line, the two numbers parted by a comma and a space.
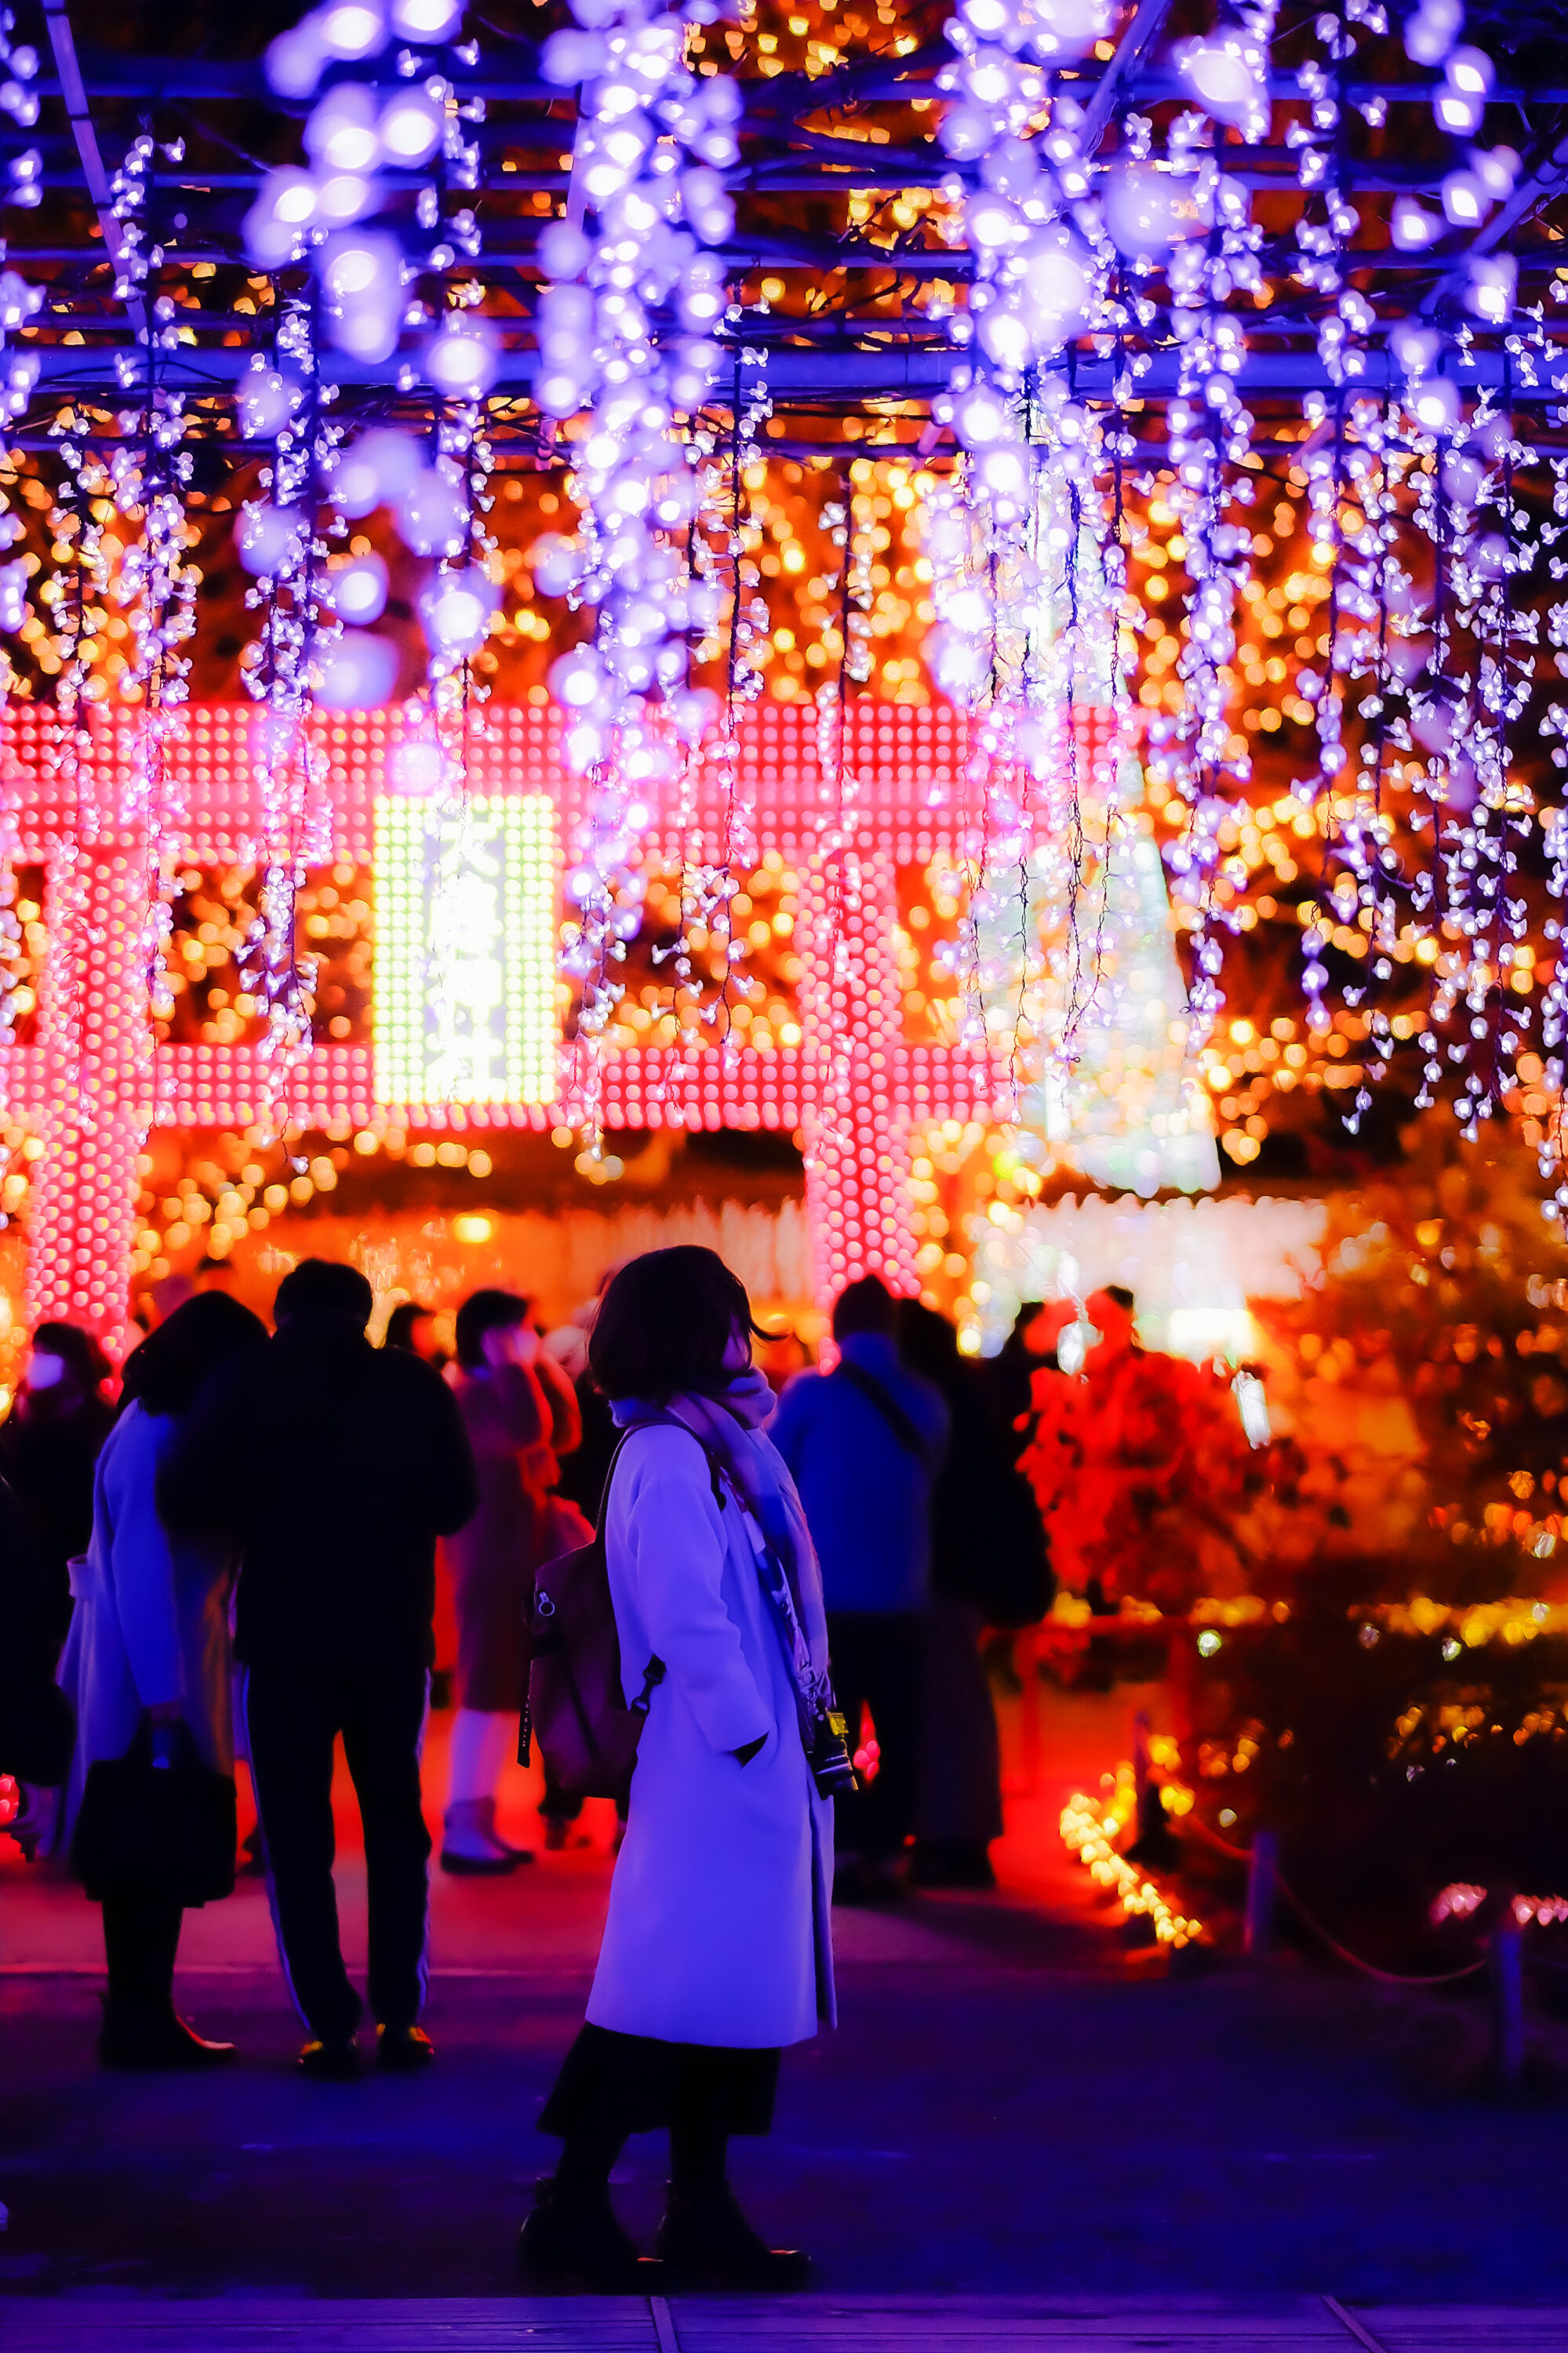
888, 1407
604, 1490
666, 1421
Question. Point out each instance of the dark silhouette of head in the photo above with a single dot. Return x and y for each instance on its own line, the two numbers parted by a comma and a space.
320, 1291
86, 1365
406, 1326
165, 1372
867, 1305
482, 1312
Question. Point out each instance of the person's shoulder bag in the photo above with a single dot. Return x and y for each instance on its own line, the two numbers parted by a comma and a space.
575, 1705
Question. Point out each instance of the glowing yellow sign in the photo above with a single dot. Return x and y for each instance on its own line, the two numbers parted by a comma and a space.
465, 976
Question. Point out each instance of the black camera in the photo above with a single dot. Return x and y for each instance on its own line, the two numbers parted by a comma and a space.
832, 1767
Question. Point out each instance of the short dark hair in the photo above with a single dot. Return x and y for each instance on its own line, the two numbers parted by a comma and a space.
867, 1305
78, 1350
401, 1321
165, 1372
664, 1324
321, 1287
1125, 1299
482, 1312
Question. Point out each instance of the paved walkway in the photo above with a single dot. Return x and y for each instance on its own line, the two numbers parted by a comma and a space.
1016, 2107
823, 2325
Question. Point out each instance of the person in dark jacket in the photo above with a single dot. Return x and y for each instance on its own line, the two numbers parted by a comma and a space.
337, 1465
988, 1569
864, 1443
48, 1448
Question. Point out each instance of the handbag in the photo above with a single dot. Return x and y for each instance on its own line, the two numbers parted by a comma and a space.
168, 1830
574, 1705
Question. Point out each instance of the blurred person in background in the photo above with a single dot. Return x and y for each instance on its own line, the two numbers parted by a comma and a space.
865, 1444
149, 1639
584, 1472
336, 1465
48, 1448
1007, 1379
521, 1413
581, 1482
987, 1569
413, 1327
171, 1291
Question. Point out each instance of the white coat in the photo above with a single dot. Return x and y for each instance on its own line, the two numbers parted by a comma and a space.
719, 1927
151, 1622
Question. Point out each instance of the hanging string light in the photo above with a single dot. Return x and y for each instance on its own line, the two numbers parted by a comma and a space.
645, 206
280, 542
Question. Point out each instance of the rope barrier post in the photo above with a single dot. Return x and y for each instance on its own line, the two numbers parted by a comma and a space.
1262, 1880
1505, 1975
1153, 1847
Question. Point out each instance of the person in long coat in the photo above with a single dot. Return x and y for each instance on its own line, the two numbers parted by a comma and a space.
149, 1637
718, 1948
521, 1414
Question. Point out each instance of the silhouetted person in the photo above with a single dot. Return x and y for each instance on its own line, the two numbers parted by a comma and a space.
337, 1465
864, 1443
988, 1569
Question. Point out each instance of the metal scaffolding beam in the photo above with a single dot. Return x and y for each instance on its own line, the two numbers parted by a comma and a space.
808, 144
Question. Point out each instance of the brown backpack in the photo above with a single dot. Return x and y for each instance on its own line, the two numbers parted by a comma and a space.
576, 1702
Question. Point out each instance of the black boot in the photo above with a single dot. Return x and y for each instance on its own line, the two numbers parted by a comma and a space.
332, 2058
403, 2050
705, 2242
572, 2240
150, 2041
142, 2032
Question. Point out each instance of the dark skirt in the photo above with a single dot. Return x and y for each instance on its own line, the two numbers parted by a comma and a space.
613, 2083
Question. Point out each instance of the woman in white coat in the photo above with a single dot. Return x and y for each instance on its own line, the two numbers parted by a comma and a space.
716, 1950
149, 1637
